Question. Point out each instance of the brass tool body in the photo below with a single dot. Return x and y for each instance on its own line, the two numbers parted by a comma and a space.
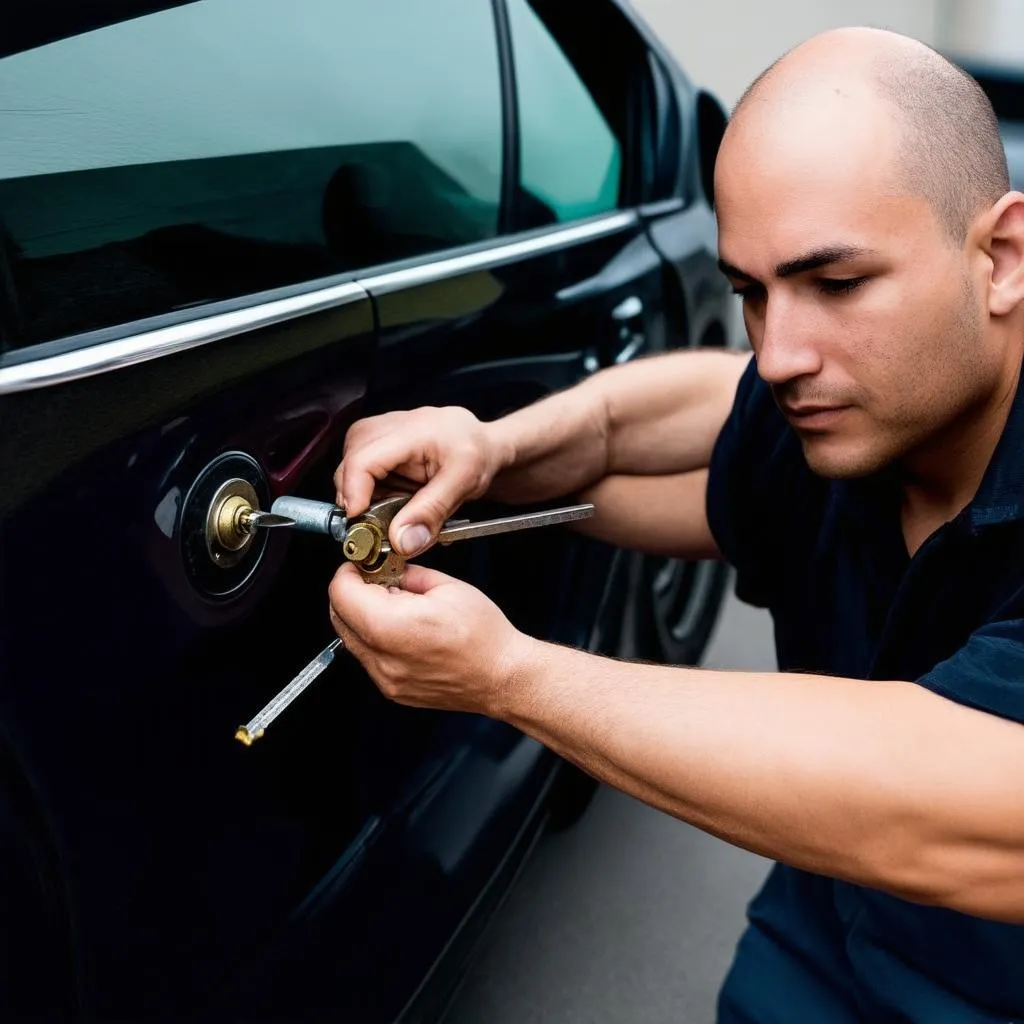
366, 539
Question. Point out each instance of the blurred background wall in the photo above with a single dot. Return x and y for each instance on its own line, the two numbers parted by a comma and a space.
724, 45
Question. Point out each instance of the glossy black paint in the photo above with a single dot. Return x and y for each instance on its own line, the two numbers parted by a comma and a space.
156, 869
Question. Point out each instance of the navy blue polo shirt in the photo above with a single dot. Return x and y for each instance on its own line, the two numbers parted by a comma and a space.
828, 559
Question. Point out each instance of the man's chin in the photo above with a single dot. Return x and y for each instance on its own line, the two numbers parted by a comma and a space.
834, 459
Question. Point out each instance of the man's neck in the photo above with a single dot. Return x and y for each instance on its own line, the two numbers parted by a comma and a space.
941, 478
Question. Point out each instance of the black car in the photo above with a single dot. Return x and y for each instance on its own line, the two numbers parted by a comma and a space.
228, 229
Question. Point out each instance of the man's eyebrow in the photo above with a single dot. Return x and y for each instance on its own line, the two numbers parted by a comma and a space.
730, 271
821, 258
814, 260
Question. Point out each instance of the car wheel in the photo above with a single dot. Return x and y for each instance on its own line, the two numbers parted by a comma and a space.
673, 608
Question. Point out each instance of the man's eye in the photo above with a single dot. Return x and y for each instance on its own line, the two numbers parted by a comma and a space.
748, 292
840, 285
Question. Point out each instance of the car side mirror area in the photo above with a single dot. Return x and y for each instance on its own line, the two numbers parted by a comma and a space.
711, 123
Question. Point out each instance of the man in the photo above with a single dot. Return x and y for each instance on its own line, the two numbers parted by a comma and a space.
865, 475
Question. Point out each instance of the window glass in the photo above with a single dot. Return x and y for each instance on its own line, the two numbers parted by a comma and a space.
230, 146
570, 160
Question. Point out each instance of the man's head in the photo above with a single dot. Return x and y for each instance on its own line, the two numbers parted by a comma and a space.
865, 216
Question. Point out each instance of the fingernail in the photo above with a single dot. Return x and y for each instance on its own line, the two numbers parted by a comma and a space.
413, 538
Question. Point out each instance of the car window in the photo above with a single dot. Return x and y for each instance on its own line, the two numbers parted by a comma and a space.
225, 147
570, 160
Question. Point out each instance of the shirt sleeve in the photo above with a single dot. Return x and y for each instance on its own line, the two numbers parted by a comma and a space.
987, 673
750, 479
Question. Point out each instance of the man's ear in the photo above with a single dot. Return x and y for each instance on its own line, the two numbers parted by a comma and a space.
1003, 242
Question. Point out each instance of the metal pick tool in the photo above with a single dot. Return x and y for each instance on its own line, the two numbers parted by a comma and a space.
364, 541
247, 734
257, 520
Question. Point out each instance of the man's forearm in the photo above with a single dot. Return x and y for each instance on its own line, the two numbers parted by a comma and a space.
835, 776
655, 416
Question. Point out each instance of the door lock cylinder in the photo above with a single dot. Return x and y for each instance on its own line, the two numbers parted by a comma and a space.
233, 519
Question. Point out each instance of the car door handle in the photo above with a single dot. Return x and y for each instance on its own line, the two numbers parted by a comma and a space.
628, 309
628, 317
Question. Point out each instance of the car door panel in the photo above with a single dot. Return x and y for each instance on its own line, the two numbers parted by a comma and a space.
124, 685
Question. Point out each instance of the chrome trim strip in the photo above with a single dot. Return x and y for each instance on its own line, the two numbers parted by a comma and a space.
112, 355
139, 348
535, 245
662, 207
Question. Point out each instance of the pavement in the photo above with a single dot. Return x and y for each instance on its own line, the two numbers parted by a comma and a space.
630, 916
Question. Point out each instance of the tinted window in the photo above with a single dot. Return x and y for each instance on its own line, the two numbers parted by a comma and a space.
230, 146
570, 160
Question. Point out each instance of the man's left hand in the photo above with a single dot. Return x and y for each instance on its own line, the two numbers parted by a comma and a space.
438, 643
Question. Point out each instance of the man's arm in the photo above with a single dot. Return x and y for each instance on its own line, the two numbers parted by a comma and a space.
659, 515
885, 784
657, 417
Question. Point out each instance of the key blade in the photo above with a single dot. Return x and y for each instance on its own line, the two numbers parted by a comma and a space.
510, 524
257, 726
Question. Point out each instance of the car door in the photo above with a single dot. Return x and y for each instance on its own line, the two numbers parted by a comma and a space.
184, 213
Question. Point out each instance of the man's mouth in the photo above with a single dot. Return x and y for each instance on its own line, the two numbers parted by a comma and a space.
810, 417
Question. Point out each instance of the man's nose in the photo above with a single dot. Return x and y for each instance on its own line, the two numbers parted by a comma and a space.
787, 348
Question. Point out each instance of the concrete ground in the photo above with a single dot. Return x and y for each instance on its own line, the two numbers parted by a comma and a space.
629, 916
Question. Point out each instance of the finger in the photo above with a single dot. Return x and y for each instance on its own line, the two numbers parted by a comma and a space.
361, 470
348, 638
355, 602
351, 641
418, 579
396, 483
362, 433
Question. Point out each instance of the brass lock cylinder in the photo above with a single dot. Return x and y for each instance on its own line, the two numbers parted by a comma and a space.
227, 533
362, 543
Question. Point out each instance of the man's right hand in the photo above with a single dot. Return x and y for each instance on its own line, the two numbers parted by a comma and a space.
448, 452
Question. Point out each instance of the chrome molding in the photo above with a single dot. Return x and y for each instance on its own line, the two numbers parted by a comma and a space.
139, 348
90, 360
507, 252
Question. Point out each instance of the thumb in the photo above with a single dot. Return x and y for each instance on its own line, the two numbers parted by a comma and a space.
421, 519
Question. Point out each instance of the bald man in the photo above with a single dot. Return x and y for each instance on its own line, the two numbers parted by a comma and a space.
864, 472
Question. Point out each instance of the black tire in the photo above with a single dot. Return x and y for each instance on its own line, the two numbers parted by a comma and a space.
672, 610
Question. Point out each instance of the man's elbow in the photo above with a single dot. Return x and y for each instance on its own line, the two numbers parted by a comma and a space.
980, 879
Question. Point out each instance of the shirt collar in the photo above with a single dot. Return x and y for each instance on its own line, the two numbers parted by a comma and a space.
1000, 498
873, 500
